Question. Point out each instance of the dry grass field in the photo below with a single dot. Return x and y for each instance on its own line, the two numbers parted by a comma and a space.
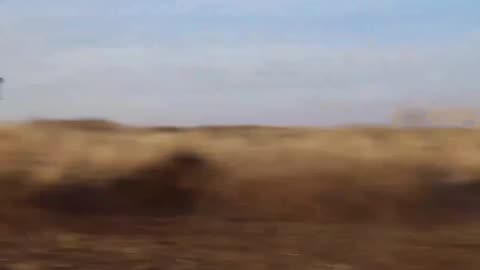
98, 195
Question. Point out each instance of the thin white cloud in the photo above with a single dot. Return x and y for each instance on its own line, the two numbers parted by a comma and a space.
264, 83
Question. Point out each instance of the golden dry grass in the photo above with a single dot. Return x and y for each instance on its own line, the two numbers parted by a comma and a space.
352, 174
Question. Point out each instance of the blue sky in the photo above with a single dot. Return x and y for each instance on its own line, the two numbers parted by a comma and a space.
190, 62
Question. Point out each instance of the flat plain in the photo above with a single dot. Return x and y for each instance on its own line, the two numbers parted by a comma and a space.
93, 194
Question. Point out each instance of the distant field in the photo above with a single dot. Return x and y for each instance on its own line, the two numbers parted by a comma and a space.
351, 174
99, 195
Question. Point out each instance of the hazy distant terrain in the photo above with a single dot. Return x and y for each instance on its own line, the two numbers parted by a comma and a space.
355, 198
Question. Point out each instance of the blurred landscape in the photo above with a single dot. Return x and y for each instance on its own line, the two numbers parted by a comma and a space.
239, 135
94, 194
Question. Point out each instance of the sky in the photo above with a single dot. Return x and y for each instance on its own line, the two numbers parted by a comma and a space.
216, 62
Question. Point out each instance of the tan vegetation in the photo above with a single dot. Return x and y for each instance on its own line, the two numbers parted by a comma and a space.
351, 174
97, 195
